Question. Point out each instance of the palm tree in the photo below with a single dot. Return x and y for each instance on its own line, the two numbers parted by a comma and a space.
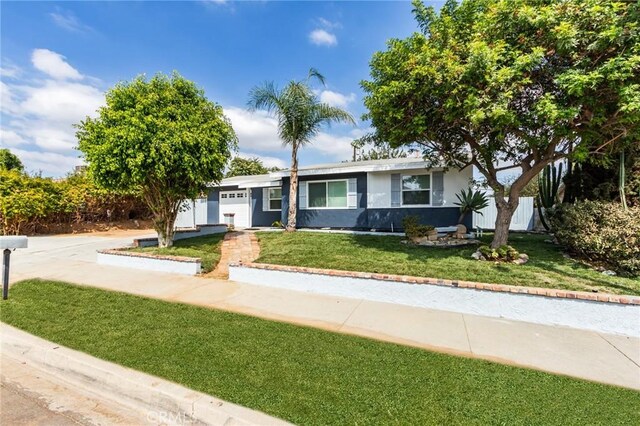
300, 116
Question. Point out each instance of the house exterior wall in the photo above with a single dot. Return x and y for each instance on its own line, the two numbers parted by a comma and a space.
373, 203
329, 218
379, 186
213, 206
258, 216
391, 218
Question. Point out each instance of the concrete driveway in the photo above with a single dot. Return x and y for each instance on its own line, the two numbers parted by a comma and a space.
594, 356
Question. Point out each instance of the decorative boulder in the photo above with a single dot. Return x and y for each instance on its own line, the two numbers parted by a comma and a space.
522, 259
477, 255
461, 231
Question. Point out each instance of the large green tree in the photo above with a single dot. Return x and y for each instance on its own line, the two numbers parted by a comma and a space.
247, 167
160, 137
500, 84
300, 117
10, 161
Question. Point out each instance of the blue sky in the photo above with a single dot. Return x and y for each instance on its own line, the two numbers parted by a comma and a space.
58, 58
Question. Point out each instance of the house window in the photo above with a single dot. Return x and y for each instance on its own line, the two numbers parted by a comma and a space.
416, 190
327, 195
275, 198
223, 195
232, 195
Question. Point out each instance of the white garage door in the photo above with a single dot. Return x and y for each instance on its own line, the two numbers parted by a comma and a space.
236, 202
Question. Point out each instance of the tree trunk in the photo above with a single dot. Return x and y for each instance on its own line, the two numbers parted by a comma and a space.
293, 189
164, 223
503, 219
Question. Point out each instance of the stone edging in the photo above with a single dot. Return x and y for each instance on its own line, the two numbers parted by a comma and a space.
503, 288
126, 252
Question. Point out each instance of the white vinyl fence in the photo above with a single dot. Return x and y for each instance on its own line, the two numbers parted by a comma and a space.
194, 213
522, 220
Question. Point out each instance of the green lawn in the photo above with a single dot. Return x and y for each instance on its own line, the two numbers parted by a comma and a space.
305, 375
385, 254
207, 248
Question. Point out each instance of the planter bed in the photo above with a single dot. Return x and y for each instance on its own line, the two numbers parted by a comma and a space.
606, 313
182, 234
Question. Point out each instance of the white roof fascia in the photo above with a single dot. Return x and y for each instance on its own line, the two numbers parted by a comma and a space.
266, 184
358, 169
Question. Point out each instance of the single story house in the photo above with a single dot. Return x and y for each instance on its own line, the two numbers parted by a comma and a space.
361, 195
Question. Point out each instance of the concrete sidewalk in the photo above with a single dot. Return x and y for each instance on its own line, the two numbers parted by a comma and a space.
594, 356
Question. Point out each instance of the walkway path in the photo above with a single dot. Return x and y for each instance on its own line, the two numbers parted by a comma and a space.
238, 246
586, 354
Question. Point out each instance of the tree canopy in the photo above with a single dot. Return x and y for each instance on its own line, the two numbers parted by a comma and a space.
10, 161
247, 167
516, 82
160, 137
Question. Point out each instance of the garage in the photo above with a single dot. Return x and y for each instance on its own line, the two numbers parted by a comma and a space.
235, 203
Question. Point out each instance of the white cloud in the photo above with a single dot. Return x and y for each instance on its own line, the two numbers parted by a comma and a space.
256, 131
336, 146
49, 163
322, 37
9, 70
54, 65
268, 161
68, 21
325, 23
10, 138
337, 99
40, 114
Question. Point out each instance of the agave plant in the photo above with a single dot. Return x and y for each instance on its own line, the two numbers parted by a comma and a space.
471, 201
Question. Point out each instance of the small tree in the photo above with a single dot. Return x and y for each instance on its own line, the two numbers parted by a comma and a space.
247, 167
378, 150
300, 116
510, 84
161, 138
10, 161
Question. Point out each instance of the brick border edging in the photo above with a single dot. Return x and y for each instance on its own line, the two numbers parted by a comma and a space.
125, 252
502, 288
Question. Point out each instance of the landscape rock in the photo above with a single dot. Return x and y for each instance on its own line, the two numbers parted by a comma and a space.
609, 273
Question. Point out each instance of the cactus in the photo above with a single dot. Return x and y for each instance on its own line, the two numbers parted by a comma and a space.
548, 186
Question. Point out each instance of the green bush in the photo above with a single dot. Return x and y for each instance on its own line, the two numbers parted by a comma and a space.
31, 204
600, 232
503, 253
413, 228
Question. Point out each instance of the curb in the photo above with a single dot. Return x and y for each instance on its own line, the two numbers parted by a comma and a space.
169, 402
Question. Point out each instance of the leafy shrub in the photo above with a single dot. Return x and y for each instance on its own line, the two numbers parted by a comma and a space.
413, 228
600, 232
30, 204
277, 224
503, 253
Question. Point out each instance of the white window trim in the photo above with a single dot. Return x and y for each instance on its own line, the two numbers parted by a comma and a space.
346, 181
269, 198
402, 191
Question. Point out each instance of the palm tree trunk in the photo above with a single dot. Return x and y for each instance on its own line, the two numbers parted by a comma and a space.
293, 189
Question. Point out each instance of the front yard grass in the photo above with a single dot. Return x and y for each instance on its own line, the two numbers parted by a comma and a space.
305, 375
547, 267
207, 248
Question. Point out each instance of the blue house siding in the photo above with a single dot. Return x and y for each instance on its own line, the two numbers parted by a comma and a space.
383, 219
363, 218
258, 216
213, 206
330, 218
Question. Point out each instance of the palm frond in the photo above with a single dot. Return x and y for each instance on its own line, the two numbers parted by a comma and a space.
314, 73
266, 97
